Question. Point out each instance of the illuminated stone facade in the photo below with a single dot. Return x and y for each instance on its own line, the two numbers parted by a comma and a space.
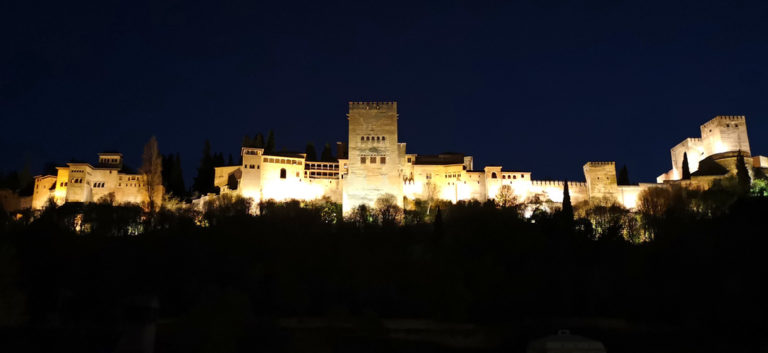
720, 137
376, 164
83, 182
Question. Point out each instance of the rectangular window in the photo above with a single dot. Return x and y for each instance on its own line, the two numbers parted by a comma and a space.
383, 160
362, 160
373, 160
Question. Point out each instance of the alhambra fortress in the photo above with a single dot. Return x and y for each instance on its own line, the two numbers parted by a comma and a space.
373, 163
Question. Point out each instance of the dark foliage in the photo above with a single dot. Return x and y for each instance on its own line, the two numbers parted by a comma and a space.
227, 286
327, 154
173, 176
686, 169
311, 152
623, 178
203, 182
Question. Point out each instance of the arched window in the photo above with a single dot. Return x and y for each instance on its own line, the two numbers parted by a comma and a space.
362, 138
378, 138
493, 175
383, 138
282, 173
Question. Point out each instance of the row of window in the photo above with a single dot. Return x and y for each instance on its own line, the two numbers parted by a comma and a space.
373, 138
522, 176
251, 166
77, 180
323, 166
251, 152
98, 184
109, 160
282, 161
333, 175
372, 160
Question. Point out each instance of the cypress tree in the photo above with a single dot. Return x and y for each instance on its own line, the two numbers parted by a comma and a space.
168, 165
259, 141
229, 160
248, 141
327, 155
270, 145
567, 207
203, 182
686, 171
742, 174
311, 152
177, 176
623, 176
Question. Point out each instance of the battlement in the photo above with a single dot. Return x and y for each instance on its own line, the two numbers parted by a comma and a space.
729, 118
599, 164
558, 183
381, 106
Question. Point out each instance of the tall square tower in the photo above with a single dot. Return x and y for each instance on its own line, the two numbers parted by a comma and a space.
374, 156
725, 133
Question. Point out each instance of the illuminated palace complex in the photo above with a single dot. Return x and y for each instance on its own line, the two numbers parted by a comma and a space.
374, 163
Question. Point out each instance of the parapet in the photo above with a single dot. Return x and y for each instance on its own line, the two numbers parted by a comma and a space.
719, 118
381, 106
558, 183
599, 164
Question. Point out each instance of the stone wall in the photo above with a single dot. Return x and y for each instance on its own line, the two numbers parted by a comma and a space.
601, 180
374, 154
725, 133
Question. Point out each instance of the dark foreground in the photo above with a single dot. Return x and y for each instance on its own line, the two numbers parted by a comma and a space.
481, 279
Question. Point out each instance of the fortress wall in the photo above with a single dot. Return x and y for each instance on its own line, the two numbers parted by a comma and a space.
601, 180
274, 187
725, 133
695, 151
43, 191
553, 190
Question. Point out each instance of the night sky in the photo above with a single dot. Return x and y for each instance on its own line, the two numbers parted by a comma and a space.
541, 86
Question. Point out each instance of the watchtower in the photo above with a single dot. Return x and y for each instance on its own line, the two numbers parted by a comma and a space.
725, 133
374, 156
601, 180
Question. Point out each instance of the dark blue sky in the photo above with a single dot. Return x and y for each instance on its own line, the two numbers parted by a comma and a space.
542, 85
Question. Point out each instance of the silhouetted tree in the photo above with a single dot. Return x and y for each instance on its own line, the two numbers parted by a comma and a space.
259, 141
49, 168
506, 197
567, 207
203, 182
173, 177
686, 170
152, 168
623, 176
742, 174
270, 145
229, 160
389, 213
311, 152
218, 159
327, 155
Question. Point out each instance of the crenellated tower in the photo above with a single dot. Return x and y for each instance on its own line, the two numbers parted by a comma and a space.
374, 155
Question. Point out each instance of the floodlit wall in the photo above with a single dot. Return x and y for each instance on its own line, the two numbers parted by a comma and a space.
725, 133
374, 154
601, 180
694, 148
44, 190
